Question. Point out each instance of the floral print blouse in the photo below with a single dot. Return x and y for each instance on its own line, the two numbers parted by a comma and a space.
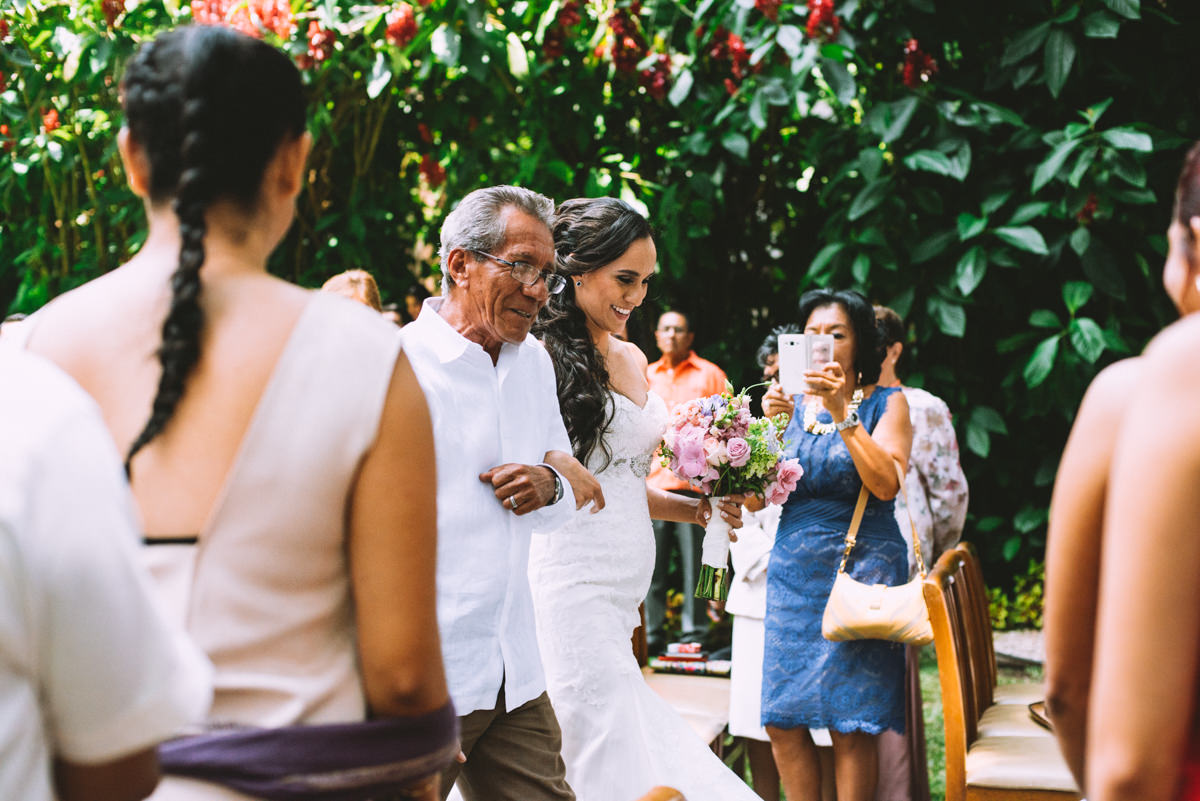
937, 488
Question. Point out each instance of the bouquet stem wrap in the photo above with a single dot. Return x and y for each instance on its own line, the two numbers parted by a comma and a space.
713, 584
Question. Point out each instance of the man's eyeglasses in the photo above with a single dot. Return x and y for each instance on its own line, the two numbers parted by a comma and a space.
527, 274
672, 329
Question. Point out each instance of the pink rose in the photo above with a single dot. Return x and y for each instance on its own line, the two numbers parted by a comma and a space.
788, 473
714, 451
739, 451
774, 493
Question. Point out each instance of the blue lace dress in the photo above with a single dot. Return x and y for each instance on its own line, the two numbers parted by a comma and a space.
807, 680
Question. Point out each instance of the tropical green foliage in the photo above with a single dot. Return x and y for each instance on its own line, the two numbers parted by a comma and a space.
999, 173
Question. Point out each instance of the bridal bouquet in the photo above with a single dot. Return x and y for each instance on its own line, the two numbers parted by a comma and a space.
716, 445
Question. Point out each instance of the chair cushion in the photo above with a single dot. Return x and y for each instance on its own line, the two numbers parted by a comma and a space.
1010, 720
1026, 763
1024, 693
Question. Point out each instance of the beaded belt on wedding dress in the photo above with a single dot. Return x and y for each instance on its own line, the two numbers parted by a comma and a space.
638, 465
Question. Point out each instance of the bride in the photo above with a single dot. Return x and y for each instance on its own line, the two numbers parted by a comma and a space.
619, 738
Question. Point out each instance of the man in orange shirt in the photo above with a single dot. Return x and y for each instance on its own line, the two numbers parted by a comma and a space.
679, 376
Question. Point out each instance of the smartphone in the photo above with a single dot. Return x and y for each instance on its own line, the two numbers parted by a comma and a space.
793, 360
800, 352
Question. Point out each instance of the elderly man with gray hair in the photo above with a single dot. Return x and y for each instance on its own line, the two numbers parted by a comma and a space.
498, 431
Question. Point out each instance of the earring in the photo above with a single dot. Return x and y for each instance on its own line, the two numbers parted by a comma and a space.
578, 283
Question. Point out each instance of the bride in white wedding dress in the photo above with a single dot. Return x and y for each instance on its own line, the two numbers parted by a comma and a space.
619, 738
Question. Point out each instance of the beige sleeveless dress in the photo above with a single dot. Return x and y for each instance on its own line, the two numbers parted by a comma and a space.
265, 590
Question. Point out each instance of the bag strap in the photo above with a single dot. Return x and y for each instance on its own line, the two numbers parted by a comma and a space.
856, 521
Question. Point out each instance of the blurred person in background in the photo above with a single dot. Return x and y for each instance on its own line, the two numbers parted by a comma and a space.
679, 376
357, 285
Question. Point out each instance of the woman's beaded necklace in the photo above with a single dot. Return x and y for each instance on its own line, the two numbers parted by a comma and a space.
810, 415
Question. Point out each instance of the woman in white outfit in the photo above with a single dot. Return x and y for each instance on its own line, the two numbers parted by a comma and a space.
619, 738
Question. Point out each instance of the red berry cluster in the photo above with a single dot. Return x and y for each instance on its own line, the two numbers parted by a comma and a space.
628, 46
433, 173
919, 66
769, 8
423, 132
274, 15
3, 29
320, 46
401, 25
822, 22
727, 46
1087, 213
8, 143
112, 9
568, 15
657, 77
50, 120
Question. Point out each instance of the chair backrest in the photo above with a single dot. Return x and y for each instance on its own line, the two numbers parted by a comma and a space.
663, 794
983, 652
950, 642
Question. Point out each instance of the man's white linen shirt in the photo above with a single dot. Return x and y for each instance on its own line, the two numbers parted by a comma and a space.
483, 416
90, 670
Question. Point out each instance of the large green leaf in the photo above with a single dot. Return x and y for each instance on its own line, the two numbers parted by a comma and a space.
1101, 25
1126, 138
381, 75
1087, 338
1024, 44
969, 272
988, 419
681, 87
736, 143
1101, 269
970, 226
951, 318
1060, 56
1038, 368
868, 198
1053, 163
932, 247
839, 79
1044, 318
929, 161
1076, 294
1025, 237
1130, 9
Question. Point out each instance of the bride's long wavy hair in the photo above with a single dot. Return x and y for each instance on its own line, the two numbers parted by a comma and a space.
589, 233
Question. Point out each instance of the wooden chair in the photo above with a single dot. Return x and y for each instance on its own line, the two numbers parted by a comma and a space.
983, 652
982, 765
663, 794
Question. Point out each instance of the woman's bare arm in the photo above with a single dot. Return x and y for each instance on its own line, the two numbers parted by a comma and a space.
393, 558
1143, 699
1073, 556
873, 453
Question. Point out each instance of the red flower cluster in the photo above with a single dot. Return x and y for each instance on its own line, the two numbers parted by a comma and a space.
657, 77
769, 8
628, 46
919, 66
3, 29
50, 120
320, 46
248, 16
401, 25
3, 81
568, 15
433, 173
8, 142
822, 22
112, 9
423, 131
1087, 213
726, 46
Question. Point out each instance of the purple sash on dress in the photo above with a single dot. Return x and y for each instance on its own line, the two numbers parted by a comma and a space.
373, 759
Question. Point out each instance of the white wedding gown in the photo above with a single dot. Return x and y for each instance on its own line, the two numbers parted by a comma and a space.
620, 739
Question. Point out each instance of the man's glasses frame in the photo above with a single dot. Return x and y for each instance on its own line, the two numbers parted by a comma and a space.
526, 273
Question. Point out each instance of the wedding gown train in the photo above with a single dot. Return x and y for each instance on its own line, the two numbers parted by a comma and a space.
620, 738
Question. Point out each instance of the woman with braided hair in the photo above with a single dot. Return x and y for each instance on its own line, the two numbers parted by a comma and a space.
284, 488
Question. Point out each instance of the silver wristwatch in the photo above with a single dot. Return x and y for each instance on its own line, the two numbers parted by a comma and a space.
850, 422
558, 486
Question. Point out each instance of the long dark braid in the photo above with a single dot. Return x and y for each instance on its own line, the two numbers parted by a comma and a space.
209, 106
589, 233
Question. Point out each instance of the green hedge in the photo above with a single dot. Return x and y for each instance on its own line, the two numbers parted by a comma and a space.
999, 173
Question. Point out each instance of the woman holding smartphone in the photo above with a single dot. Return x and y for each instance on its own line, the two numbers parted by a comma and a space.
846, 432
